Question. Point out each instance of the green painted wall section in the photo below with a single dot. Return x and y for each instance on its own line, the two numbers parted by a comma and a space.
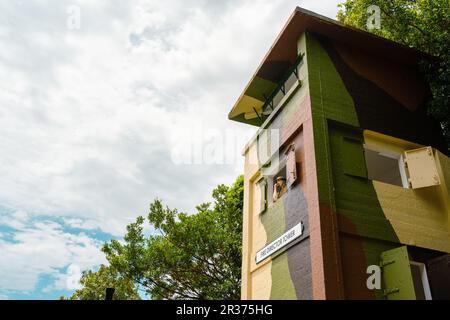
335, 122
328, 91
329, 100
355, 197
274, 224
282, 286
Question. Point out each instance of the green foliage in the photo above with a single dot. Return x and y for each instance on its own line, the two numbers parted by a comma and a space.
185, 256
95, 284
420, 24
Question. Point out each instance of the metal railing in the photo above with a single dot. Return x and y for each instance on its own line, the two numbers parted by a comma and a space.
289, 79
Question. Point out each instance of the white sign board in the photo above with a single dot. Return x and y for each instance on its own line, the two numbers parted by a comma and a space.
279, 243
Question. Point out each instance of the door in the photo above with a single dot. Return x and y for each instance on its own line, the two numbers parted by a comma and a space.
397, 275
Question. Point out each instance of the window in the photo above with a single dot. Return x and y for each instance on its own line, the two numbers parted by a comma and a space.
278, 183
385, 166
280, 174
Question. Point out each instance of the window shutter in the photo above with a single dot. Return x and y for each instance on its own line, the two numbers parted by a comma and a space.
353, 161
398, 280
439, 276
263, 189
264, 147
420, 167
291, 167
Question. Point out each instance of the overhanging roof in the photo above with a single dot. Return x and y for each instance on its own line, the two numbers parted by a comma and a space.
283, 54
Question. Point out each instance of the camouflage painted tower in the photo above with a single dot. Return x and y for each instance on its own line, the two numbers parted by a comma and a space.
346, 181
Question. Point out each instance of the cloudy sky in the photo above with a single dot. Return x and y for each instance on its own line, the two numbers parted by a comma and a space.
107, 104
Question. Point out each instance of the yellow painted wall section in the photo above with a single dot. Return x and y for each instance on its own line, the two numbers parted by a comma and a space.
289, 275
443, 167
420, 217
256, 280
259, 236
262, 282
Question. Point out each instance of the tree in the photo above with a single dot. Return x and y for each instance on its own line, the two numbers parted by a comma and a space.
95, 284
420, 24
185, 256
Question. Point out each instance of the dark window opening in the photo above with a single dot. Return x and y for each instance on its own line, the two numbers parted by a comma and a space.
384, 167
278, 185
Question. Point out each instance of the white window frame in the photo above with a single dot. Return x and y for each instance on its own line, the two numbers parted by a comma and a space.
424, 278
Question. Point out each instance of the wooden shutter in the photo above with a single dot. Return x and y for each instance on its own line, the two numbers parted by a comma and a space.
398, 280
439, 277
263, 190
353, 160
420, 167
291, 167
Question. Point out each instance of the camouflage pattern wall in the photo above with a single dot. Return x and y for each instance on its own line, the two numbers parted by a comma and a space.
346, 99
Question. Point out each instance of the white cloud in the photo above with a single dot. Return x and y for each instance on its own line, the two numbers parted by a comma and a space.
327, 8
69, 280
15, 220
84, 224
44, 248
88, 117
